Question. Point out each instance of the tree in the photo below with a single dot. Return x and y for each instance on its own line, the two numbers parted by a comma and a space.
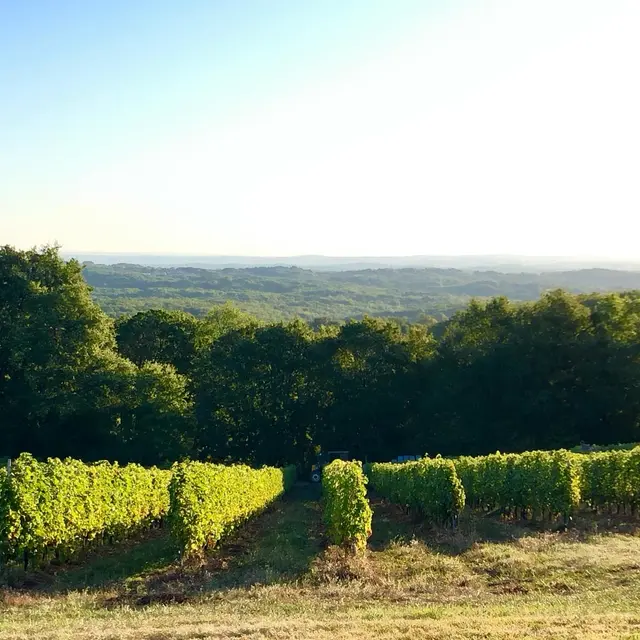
253, 400
63, 389
221, 320
49, 330
129, 413
538, 375
168, 337
368, 371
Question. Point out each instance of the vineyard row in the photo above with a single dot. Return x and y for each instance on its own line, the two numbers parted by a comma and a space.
57, 508
533, 485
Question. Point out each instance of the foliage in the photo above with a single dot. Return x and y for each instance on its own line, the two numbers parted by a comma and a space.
591, 448
220, 320
169, 337
429, 486
534, 483
369, 373
541, 375
141, 414
175, 337
255, 399
279, 293
63, 389
210, 500
62, 505
4, 500
538, 483
49, 330
611, 479
498, 375
346, 509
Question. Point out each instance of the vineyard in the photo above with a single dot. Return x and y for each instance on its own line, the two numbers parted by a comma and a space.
346, 508
611, 480
383, 533
59, 508
535, 485
208, 501
431, 487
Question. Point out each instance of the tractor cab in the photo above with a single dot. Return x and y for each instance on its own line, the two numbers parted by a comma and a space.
323, 460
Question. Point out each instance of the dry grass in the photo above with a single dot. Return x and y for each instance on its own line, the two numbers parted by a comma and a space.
276, 580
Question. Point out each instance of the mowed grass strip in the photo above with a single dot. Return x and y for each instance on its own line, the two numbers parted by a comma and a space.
278, 613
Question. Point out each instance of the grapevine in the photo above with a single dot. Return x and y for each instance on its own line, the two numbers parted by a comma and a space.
346, 508
209, 500
611, 479
533, 484
430, 487
61, 506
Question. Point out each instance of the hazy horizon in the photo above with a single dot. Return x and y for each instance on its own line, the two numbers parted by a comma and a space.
344, 256
500, 263
341, 128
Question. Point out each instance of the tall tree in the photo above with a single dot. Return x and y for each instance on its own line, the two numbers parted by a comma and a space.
49, 330
252, 395
369, 372
168, 337
129, 413
63, 389
222, 319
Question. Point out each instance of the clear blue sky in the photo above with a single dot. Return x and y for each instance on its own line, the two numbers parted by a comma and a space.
343, 127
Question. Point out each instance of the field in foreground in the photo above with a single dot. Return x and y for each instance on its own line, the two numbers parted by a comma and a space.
276, 579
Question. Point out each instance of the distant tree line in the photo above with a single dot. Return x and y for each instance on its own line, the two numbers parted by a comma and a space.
159, 386
275, 294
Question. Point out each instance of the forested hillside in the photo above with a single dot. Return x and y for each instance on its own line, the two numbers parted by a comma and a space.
159, 386
281, 293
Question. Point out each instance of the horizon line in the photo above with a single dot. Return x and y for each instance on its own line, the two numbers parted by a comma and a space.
354, 257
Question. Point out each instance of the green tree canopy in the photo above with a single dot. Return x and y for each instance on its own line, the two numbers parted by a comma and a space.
63, 388
168, 337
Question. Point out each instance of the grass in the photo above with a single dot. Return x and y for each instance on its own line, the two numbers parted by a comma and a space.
277, 579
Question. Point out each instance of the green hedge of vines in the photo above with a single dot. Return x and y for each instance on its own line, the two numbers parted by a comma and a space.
534, 484
611, 479
346, 509
60, 506
210, 500
429, 487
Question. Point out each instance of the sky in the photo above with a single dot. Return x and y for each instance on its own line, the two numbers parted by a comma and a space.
335, 127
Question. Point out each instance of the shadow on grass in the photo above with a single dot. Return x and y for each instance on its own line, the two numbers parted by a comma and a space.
276, 547
392, 525
98, 568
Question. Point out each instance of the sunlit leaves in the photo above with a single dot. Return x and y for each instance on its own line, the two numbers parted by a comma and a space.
63, 505
535, 483
430, 487
346, 509
208, 501
611, 479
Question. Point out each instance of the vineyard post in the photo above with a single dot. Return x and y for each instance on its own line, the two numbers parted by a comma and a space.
8, 467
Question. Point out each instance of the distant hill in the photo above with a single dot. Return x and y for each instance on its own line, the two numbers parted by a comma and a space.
281, 292
501, 263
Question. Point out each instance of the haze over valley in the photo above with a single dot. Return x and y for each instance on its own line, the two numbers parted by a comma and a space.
276, 290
